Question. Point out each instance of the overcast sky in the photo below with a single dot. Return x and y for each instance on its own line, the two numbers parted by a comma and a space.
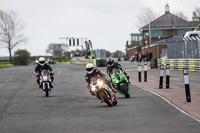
107, 23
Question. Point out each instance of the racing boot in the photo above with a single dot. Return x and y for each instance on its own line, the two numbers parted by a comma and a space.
51, 85
112, 87
40, 86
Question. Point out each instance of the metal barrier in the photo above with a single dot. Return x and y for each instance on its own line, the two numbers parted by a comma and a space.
179, 64
180, 47
182, 52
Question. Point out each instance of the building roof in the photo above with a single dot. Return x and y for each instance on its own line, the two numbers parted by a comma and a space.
136, 34
170, 20
160, 41
194, 23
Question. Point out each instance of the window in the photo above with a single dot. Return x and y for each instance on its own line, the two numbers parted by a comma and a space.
140, 38
181, 32
136, 38
158, 33
175, 32
164, 33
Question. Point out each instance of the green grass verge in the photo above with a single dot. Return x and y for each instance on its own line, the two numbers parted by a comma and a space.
5, 65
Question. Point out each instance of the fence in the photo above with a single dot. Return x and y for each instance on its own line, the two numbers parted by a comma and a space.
182, 47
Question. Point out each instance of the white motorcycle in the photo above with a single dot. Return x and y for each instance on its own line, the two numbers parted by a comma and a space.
45, 82
103, 92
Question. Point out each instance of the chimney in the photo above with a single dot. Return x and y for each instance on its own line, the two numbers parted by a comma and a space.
167, 8
127, 44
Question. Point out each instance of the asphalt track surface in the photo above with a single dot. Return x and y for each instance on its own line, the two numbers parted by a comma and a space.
71, 109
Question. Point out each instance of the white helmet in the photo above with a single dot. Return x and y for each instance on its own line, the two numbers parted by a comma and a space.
42, 61
89, 68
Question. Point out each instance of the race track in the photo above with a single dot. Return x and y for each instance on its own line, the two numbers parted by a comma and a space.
71, 109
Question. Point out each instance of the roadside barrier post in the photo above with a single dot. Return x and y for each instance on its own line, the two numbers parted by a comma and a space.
139, 71
145, 71
161, 76
187, 86
167, 75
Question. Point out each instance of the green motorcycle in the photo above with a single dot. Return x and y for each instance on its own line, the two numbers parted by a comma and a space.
120, 82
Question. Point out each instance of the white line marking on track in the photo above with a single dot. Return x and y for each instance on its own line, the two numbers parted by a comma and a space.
179, 109
8, 80
5, 83
2, 85
59, 73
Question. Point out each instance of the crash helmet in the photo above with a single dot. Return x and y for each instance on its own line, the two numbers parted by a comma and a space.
110, 61
42, 61
89, 68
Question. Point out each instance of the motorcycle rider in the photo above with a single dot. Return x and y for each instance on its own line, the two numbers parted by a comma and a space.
42, 65
112, 65
92, 72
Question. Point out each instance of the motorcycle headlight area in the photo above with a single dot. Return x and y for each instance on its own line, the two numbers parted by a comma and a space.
93, 88
116, 81
100, 83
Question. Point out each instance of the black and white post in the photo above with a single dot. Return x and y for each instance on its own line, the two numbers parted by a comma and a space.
167, 75
139, 71
187, 86
145, 71
161, 76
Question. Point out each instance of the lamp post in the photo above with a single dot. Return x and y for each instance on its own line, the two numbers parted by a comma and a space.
149, 36
149, 33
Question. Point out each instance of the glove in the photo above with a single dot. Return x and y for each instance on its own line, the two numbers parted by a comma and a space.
52, 73
35, 74
125, 73
88, 87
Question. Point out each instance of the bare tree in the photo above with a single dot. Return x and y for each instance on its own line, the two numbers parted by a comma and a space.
196, 14
146, 17
181, 15
57, 50
11, 28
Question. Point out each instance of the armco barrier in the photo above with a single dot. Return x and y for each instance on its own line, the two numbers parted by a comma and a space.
191, 64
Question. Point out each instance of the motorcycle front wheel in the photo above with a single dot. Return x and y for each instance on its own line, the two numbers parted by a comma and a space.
106, 100
46, 90
124, 89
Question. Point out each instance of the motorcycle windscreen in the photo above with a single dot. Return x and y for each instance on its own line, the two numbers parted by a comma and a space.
94, 80
44, 72
116, 73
